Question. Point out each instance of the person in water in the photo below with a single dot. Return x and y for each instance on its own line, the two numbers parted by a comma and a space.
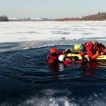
92, 49
53, 55
56, 56
89, 50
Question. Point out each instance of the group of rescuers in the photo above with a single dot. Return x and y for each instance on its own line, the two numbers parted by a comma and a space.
90, 49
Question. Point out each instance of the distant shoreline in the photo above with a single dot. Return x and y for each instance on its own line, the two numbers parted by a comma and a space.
100, 16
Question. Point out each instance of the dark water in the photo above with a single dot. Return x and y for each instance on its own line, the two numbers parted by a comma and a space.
27, 80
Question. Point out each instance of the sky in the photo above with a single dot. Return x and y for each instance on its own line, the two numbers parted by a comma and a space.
50, 8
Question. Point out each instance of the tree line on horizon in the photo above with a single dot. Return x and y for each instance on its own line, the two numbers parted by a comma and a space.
4, 18
99, 16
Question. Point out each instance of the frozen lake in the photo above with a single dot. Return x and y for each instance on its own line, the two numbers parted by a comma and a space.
27, 80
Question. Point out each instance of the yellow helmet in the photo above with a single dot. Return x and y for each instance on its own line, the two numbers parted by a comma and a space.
77, 47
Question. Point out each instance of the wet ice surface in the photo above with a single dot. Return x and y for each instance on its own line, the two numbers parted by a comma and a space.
27, 80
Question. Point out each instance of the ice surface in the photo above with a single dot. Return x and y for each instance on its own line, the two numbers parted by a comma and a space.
51, 30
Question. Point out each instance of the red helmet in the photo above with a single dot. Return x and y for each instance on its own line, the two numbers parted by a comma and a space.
53, 50
88, 46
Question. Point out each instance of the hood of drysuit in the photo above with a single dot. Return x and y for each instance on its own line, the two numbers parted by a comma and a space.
88, 46
53, 50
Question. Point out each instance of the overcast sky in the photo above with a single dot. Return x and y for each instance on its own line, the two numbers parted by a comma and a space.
50, 8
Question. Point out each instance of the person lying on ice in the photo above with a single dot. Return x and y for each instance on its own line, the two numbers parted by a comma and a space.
92, 49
